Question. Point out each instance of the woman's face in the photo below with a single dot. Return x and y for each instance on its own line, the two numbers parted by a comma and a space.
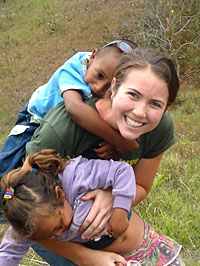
139, 103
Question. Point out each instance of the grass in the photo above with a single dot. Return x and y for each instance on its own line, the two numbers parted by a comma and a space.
37, 36
172, 207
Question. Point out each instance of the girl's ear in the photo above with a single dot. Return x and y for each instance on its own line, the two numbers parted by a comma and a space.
60, 194
92, 57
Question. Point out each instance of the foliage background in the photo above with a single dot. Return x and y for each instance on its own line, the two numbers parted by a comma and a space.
37, 36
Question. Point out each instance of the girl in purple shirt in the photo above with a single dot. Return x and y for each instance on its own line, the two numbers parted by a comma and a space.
46, 202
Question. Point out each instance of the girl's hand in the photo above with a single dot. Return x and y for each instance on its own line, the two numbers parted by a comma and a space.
106, 150
97, 220
116, 228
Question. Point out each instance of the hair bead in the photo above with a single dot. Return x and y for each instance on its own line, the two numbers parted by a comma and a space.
9, 193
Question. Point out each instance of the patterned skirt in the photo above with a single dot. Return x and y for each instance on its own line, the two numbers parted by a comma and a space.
155, 250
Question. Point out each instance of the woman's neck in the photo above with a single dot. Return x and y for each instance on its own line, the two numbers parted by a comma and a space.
104, 108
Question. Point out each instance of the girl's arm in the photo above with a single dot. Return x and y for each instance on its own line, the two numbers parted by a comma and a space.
145, 171
100, 212
88, 118
92, 174
12, 250
81, 255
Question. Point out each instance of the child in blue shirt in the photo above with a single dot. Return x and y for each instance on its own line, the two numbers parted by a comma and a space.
80, 76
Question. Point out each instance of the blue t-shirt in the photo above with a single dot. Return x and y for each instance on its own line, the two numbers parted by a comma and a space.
68, 76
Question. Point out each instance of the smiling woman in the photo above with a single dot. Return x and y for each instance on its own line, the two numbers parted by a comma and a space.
139, 103
145, 84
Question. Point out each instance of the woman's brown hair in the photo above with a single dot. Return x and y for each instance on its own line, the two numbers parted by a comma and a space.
159, 63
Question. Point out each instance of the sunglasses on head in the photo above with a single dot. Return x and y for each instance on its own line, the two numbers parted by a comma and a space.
121, 45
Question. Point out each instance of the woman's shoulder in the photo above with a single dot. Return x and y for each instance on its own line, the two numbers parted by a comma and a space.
166, 123
160, 139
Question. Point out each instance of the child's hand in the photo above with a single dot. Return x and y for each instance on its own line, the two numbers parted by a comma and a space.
126, 146
106, 150
118, 223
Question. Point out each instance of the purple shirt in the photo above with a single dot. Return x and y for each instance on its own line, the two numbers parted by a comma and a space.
79, 177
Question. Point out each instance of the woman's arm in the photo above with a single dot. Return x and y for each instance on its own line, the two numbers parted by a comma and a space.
81, 255
145, 171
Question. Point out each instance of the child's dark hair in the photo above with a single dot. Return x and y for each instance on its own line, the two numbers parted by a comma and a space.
33, 190
159, 63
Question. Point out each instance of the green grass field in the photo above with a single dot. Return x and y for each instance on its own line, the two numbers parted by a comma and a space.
37, 36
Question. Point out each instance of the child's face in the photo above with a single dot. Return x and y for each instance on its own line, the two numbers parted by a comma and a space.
54, 224
139, 103
100, 72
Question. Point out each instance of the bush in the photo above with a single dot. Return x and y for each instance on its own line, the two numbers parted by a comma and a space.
171, 27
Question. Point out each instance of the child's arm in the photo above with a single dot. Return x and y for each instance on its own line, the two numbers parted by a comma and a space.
12, 250
88, 118
110, 174
116, 228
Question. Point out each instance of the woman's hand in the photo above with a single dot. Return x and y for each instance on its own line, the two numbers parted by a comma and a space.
81, 255
104, 258
97, 220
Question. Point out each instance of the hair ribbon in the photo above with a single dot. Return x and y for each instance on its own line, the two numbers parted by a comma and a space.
9, 193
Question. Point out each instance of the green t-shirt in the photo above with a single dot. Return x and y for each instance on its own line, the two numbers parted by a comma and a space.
59, 132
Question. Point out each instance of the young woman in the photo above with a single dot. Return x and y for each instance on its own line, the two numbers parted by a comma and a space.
46, 202
145, 84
